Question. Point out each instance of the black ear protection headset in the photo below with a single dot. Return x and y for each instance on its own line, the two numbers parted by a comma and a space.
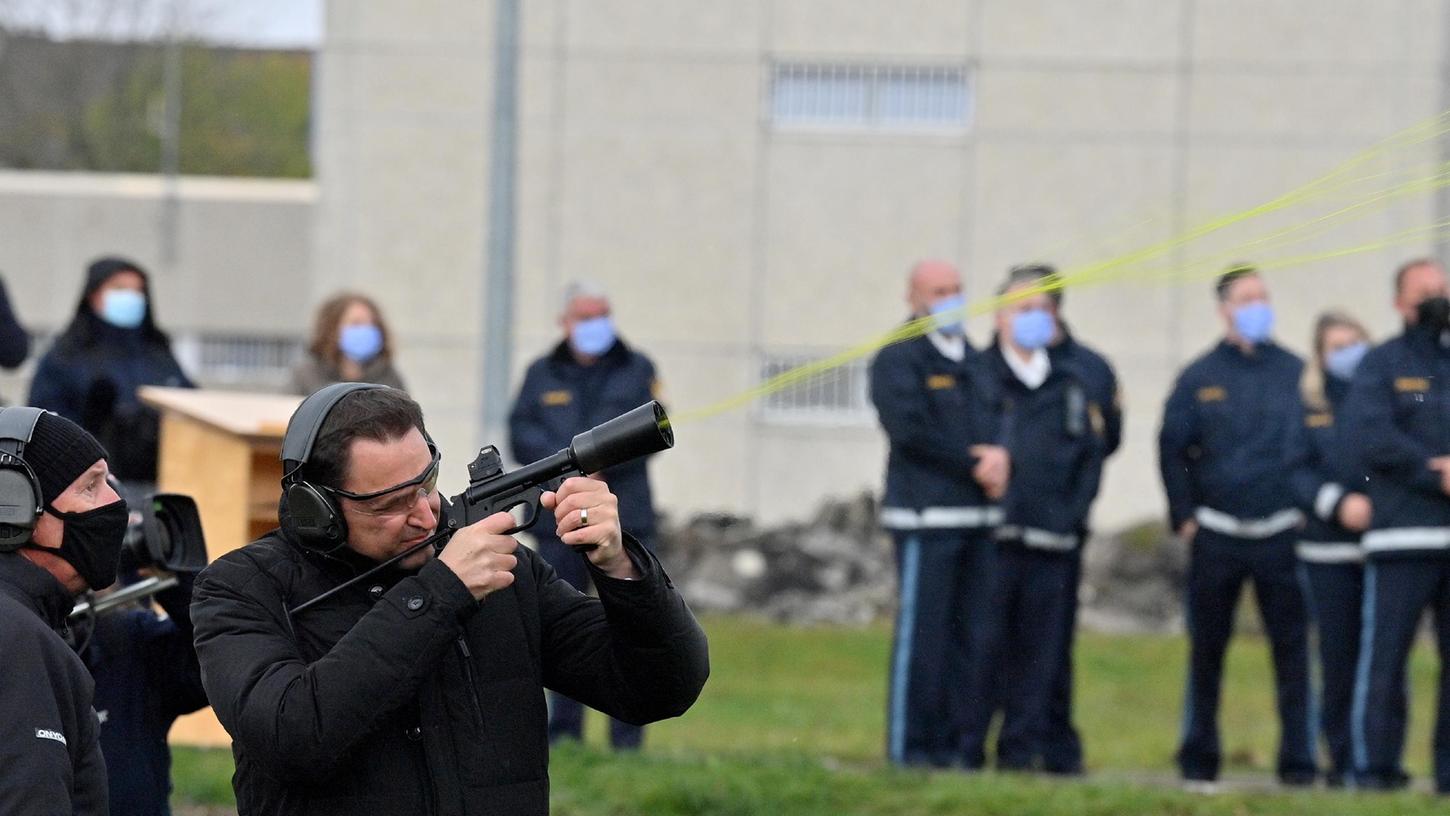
20, 498
308, 514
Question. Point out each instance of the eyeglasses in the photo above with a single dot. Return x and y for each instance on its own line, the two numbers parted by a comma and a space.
424, 485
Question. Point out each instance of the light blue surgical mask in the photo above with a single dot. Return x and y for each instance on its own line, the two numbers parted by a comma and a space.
1342, 362
1254, 321
360, 342
1033, 329
123, 308
947, 315
593, 337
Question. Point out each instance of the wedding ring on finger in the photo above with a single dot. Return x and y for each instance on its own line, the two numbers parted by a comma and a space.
584, 517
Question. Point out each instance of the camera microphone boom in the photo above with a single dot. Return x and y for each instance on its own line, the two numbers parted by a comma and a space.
635, 433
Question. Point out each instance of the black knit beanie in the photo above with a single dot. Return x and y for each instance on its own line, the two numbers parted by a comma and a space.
59, 452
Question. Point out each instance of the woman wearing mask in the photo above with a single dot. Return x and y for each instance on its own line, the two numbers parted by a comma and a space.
350, 343
1324, 480
111, 347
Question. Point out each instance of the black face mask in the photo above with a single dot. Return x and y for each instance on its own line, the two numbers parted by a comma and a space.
1434, 314
91, 541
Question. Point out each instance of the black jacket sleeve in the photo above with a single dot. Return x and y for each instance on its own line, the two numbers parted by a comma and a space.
1178, 435
303, 718
55, 388
170, 653
1112, 409
14, 341
50, 748
529, 438
1314, 491
1089, 479
92, 790
636, 653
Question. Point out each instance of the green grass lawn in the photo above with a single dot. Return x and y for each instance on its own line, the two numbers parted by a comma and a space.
792, 721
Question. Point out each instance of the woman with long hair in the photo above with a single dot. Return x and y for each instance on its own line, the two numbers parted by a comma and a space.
1327, 483
350, 343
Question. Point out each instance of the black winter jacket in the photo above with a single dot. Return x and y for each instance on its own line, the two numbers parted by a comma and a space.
50, 753
404, 696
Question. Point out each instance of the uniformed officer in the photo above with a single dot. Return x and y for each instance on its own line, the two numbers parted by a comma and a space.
945, 471
589, 377
1057, 451
1062, 746
1399, 412
1221, 448
1329, 488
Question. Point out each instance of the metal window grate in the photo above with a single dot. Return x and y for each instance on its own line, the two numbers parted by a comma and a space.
239, 360
839, 396
884, 97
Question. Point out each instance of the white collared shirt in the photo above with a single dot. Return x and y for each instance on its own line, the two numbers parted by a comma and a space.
953, 347
1031, 372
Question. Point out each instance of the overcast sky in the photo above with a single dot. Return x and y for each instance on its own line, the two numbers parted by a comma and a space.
267, 23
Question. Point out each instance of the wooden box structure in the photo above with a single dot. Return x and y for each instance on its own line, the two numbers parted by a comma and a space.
222, 449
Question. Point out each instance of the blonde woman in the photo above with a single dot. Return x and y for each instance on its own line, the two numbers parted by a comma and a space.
1326, 482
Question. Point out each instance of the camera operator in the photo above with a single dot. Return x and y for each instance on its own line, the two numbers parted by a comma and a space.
49, 749
421, 690
146, 676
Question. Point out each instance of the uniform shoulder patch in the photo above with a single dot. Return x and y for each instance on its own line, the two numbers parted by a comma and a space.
1319, 420
1411, 385
557, 398
1212, 393
939, 382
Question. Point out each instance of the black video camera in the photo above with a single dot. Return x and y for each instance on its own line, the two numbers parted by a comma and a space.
165, 534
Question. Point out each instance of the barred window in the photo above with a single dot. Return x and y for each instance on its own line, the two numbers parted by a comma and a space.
837, 396
238, 360
884, 97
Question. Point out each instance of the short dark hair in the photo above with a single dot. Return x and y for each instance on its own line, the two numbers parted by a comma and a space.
1233, 273
1405, 268
1045, 274
379, 414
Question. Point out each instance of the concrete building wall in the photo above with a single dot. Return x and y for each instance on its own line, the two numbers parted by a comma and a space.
242, 246
649, 162
240, 264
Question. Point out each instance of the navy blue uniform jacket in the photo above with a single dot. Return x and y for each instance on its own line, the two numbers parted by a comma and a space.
561, 398
934, 410
1399, 408
1224, 432
1323, 470
1101, 382
146, 676
1057, 450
